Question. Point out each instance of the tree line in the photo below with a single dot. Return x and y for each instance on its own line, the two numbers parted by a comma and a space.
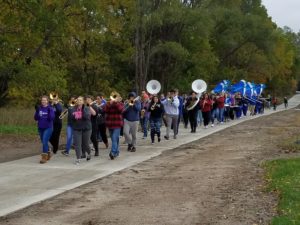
90, 46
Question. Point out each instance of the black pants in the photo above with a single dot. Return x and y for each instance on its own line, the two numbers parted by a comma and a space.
54, 140
94, 137
206, 117
185, 118
192, 115
102, 130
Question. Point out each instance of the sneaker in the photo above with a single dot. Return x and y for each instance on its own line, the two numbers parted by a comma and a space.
106, 145
83, 156
65, 153
158, 139
212, 125
129, 147
88, 158
111, 156
222, 122
97, 153
206, 127
152, 142
167, 138
77, 162
175, 137
133, 149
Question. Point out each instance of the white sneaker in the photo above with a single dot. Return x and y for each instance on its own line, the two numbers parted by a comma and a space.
205, 127
212, 125
222, 122
77, 162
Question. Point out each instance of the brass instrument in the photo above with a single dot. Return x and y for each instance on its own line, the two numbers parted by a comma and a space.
153, 106
65, 112
198, 86
131, 103
115, 96
143, 111
192, 104
54, 96
90, 104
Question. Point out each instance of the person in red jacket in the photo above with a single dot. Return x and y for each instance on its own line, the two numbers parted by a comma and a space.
114, 122
205, 105
220, 107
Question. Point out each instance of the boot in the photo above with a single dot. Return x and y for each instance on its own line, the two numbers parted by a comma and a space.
97, 153
48, 156
44, 157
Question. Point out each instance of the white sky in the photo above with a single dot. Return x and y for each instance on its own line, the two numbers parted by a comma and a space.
284, 12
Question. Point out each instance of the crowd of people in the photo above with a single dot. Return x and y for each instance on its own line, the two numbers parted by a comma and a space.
89, 118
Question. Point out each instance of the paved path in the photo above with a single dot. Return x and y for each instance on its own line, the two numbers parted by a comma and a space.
24, 182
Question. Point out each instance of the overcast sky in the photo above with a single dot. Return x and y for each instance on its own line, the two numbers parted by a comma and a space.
284, 12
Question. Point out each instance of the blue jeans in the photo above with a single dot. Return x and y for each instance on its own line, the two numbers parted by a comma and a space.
45, 134
155, 124
144, 124
220, 114
199, 118
115, 136
69, 138
213, 115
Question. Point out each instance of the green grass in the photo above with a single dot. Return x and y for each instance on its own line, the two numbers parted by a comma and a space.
17, 129
284, 178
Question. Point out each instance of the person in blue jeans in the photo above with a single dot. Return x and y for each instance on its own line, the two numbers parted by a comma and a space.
69, 127
44, 115
114, 121
156, 110
144, 118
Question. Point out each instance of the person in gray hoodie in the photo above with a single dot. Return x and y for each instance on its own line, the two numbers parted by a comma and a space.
171, 105
82, 128
131, 116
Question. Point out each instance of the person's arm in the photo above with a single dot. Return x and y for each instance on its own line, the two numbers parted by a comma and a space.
137, 106
176, 102
86, 113
93, 110
51, 114
37, 114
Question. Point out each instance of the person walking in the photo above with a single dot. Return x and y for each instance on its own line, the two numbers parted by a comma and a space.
44, 115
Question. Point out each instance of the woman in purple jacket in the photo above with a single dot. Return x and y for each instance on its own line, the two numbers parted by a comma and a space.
44, 115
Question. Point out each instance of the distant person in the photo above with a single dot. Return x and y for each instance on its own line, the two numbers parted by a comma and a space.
131, 116
285, 100
44, 115
206, 105
156, 110
114, 122
57, 124
69, 127
274, 103
171, 104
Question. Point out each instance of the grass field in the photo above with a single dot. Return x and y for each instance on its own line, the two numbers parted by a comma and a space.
17, 121
284, 178
20, 122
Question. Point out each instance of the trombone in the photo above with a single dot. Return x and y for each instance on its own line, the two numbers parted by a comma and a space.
54, 96
65, 112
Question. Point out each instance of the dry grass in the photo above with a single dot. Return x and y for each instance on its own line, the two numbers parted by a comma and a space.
17, 117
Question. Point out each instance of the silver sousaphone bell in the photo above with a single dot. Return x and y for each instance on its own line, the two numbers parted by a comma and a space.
153, 87
198, 86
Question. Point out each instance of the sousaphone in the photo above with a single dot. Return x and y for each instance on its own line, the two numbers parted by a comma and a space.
198, 86
153, 87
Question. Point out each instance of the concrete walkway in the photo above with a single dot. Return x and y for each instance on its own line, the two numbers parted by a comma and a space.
24, 182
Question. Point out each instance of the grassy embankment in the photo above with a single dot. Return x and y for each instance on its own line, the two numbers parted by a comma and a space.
17, 121
283, 177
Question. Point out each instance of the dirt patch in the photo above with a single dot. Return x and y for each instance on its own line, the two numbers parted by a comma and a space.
215, 180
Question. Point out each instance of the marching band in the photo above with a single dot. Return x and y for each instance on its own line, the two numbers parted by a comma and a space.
88, 120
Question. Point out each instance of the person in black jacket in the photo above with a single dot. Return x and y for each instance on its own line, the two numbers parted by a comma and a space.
101, 120
57, 125
82, 128
192, 112
156, 110
94, 135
